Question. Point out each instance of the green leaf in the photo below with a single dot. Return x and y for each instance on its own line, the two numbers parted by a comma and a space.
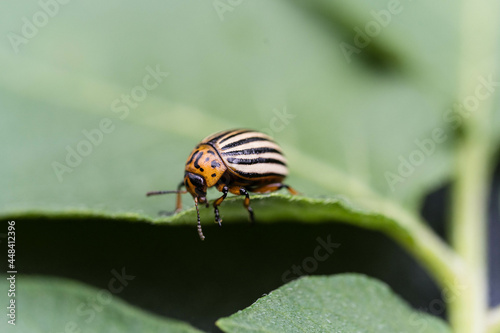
44, 304
273, 208
337, 143
349, 124
347, 303
345, 124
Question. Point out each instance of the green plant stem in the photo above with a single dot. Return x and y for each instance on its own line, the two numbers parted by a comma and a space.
468, 310
436, 256
414, 234
494, 321
443, 264
468, 306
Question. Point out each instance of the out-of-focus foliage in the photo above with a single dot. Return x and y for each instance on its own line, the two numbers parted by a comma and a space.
101, 102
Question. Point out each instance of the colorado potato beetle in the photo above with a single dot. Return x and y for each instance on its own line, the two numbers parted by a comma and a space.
237, 161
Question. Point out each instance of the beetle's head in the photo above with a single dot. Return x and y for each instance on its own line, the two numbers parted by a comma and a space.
205, 162
196, 185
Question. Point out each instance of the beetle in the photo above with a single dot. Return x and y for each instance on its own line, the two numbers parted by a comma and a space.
236, 161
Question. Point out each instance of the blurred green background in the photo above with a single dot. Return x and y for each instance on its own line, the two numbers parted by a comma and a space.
344, 121
356, 117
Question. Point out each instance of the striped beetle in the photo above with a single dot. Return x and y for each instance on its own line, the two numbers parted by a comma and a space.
236, 161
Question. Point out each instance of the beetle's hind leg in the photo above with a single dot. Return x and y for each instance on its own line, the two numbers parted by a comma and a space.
274, 187
289, 188
217, 202
246, 203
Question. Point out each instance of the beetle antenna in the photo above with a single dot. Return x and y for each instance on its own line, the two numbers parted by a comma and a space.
200, 232
164, 192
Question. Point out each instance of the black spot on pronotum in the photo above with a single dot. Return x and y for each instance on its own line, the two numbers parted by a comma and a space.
207, 159
214, 174
215, 164
210, 152
192, 156
197, 160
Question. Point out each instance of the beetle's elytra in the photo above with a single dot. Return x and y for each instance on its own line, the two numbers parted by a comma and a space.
237, 161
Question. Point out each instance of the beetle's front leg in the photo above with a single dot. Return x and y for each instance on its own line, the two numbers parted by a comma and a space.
178, 204
217, 202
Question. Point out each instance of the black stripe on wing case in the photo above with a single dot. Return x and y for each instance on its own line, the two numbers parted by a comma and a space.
215, 139
243, 141
192, 156
251, 151
258, 175
238, 132
258, 160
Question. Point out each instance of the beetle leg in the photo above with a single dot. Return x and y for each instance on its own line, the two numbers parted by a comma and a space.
246, 203
290, 189
274, 187
178, 204
217, 202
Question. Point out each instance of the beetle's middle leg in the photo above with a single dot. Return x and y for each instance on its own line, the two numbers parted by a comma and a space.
246, 203
217, 202
243, 191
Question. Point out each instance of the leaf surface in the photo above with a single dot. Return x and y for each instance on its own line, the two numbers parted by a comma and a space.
347, 303
47, 304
